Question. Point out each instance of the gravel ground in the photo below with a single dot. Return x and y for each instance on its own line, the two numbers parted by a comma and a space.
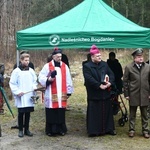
75, 139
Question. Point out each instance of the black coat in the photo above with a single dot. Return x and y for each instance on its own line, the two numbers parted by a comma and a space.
94, 76
116, 67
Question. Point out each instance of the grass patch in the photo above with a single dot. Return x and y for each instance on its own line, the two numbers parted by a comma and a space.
76, 118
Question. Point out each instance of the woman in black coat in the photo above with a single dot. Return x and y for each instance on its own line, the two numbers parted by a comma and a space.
116, 68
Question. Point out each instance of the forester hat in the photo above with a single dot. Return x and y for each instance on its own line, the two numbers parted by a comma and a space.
137, 52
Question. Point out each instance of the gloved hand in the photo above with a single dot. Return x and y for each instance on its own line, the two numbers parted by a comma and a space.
53, 74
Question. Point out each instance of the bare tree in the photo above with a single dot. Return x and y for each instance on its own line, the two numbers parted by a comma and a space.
19, 14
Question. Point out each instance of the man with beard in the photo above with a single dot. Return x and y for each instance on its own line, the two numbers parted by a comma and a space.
56, 77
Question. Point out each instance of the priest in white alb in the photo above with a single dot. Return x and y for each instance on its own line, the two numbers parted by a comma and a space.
56, 78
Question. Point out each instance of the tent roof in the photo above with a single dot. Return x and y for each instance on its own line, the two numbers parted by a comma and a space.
90, 22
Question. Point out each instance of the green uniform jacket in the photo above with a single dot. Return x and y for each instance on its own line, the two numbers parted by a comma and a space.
137, 84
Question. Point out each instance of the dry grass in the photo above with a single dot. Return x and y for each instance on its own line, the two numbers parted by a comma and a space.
75, 118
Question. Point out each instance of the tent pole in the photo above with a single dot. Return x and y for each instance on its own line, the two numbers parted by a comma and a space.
149, 56
17, 58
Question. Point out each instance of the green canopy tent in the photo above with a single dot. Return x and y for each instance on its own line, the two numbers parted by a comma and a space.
90, 22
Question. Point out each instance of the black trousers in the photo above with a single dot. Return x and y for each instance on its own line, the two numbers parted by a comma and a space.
23, 120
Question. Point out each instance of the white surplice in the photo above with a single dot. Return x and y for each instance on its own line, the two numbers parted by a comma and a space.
23, 81
48, 94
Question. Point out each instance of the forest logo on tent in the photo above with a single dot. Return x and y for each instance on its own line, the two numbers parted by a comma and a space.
54, 39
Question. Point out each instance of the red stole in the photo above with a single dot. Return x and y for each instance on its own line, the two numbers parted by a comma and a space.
63, 88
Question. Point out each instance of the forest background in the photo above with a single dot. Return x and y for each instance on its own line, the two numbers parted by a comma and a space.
16, 15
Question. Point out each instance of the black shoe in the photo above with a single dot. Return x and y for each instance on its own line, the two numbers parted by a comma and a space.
49, 134
112, 133
1, 111
62, 133
20, 134
15, 127
28, 133
92, 135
